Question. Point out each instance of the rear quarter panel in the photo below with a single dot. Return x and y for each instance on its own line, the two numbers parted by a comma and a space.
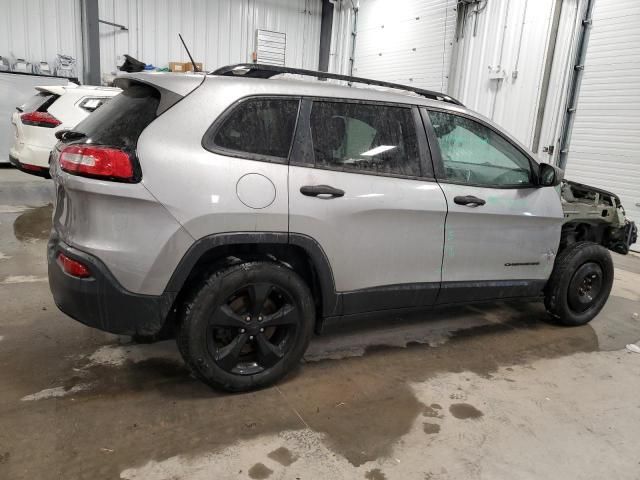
121, 224
198, 187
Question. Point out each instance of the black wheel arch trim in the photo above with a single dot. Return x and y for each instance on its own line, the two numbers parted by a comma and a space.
104, 303
331, 301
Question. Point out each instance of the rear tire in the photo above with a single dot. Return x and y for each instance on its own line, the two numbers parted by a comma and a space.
247, 326
580, 283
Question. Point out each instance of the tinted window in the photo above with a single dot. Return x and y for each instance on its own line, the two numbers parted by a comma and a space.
474, 154
259, 126
39, 102
372, 138
121, 120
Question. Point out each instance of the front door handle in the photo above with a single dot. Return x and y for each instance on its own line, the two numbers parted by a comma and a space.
322, 191
469, 200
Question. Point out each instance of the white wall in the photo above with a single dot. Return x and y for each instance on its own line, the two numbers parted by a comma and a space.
341, 38
37, 30
405, 41
388, 31
512, 36
218, 32
561, 73
605, 140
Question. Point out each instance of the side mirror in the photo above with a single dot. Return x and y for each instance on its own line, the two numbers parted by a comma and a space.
549, 175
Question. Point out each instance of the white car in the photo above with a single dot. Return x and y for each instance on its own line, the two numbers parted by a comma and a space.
53, 108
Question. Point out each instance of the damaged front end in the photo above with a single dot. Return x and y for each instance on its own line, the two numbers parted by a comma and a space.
595, 215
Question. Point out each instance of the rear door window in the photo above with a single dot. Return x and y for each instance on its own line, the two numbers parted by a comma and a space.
371, 138
39, 102
258, 128
121, 120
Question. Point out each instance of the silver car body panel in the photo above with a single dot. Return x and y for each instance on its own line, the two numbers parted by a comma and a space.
514, 236
384, 231
95, 217
180, 83
199, 187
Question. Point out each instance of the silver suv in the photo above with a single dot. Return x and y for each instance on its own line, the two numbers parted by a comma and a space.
242, 212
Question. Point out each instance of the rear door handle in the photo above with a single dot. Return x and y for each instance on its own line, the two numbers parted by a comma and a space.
469, 200
322, 191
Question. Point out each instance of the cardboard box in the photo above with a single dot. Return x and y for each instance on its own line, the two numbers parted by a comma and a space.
188, 66
183, 66
176, 67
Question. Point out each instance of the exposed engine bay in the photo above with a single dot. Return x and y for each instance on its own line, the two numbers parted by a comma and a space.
595, 215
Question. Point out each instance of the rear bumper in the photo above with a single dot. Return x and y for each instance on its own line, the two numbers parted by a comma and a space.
30, 169
100, 301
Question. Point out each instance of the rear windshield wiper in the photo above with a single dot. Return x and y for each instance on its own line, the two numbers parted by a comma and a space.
65, 135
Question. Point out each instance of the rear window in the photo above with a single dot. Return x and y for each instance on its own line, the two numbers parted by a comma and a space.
121, 120
257, 127
39, 102
91, 104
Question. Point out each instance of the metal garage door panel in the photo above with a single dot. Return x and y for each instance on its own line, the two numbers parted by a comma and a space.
406, 41
605, 141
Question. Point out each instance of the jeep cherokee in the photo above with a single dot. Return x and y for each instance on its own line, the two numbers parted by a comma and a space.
242, 212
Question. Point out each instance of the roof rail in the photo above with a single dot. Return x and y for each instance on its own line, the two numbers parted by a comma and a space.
257, 70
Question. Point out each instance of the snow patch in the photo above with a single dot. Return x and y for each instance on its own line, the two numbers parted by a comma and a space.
117, 355
56, 392
13, 208
23, 279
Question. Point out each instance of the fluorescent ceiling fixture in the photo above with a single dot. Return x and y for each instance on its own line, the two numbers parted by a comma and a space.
377, 150
369, 195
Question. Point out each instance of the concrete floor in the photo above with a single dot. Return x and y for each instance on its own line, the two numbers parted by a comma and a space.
489, 391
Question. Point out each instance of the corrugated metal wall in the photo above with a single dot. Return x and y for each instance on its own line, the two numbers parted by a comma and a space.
218, 32
512, 38
405, 41
605, 140
341, 38
568, 29
414, 42
37, 30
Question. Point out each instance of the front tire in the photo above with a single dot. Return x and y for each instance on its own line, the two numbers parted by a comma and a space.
580, 283
247, 326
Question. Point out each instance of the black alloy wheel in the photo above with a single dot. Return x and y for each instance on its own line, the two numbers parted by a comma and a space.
253, 329
247, 325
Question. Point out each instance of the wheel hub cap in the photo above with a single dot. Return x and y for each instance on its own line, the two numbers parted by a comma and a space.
253, 329
585, 286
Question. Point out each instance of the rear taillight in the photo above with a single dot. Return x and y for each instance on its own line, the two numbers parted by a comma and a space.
39, 119
98, 162
73, 267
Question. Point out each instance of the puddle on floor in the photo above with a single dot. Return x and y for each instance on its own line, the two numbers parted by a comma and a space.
33, 224
283, 456
464, 411
359, 405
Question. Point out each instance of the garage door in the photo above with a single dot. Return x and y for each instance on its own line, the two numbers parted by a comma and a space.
605, 141
406, 41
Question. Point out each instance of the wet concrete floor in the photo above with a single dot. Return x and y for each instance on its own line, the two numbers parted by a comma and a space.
483, 391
